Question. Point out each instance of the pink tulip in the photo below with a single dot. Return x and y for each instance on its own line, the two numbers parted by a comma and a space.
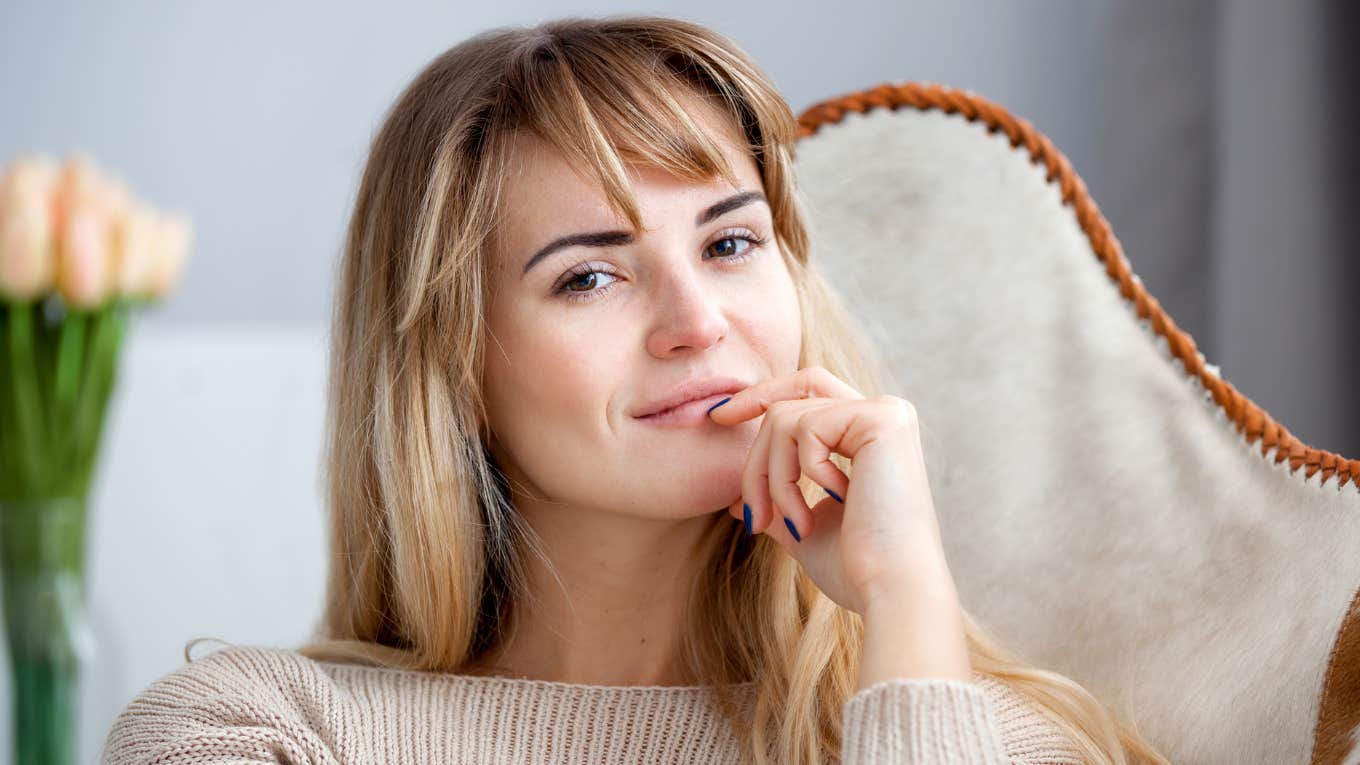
27, 256
82, 269
73, 228
86, 204
174, 232
136, 238
77, 181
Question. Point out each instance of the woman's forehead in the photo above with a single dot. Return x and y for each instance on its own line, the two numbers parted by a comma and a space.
540, 179
530, 151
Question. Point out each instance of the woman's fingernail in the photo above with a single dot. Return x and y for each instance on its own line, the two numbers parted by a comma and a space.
746, 516
720, 403
792, 530
834, 495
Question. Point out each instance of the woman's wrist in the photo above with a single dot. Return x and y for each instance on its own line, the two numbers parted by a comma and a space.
913, 628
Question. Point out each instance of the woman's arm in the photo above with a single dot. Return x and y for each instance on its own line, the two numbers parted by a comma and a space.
914, 701
922, 722
913, 625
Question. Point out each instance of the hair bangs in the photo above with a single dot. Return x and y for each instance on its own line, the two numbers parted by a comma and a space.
606, 109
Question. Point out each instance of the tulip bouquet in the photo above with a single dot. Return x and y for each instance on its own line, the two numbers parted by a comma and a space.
78, 253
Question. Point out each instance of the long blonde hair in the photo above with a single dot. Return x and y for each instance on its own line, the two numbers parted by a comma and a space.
425, 546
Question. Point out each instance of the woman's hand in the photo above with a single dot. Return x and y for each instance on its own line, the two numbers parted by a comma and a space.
873, 544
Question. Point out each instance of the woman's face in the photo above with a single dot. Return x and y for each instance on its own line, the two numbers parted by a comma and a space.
588, 337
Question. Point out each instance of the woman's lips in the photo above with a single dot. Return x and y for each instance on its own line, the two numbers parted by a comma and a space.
688, 414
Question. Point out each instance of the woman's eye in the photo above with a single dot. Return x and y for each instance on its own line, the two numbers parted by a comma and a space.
734, 235
730, 250
583, 283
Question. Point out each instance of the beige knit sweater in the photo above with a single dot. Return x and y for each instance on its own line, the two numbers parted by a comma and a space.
248, 704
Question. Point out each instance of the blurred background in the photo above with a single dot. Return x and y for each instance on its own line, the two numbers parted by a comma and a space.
1215, 136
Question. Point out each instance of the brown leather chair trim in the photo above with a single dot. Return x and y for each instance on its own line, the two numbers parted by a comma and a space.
1339, 713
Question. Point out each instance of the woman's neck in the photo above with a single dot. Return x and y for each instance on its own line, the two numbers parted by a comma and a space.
611, 607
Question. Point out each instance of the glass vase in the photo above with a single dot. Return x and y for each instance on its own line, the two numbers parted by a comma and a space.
42, 572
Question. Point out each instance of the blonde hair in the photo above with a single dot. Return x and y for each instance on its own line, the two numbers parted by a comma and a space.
425, 547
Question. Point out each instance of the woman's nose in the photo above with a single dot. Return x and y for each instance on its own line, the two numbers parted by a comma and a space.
688, 315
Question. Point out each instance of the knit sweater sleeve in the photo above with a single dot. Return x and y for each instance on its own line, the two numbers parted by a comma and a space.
949, 722
241, 704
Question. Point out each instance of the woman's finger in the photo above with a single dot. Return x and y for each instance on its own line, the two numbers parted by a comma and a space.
818, 434
755, 476
783, 465
808, 382
802, 444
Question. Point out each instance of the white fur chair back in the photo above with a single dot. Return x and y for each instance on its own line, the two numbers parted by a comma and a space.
1111, 508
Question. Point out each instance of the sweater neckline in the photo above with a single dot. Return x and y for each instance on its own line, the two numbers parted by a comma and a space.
502, 681
527, 682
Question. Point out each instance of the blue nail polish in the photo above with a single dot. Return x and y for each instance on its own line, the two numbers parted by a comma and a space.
720, 403
792, 530
746, 516
834, 495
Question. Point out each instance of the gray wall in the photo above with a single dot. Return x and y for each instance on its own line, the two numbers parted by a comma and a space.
1226, 165
1285, 292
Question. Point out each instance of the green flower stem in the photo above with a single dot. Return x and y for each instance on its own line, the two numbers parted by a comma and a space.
27, 403
70, 349
101, 366
9, 458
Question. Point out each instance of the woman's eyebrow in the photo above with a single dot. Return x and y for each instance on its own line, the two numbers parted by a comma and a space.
614, 238
728, 205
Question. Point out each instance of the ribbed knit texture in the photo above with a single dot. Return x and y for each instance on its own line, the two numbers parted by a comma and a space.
248, 704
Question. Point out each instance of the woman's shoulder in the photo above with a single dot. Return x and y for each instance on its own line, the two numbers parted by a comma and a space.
1028, 733
248, 660
235, 669
263, 673
231, 702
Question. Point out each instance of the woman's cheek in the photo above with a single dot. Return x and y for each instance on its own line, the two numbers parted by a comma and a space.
570, 373
777, 338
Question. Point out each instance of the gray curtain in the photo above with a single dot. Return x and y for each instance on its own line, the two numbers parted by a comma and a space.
1228, 169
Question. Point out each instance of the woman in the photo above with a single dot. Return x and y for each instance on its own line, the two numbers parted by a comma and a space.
612, 476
